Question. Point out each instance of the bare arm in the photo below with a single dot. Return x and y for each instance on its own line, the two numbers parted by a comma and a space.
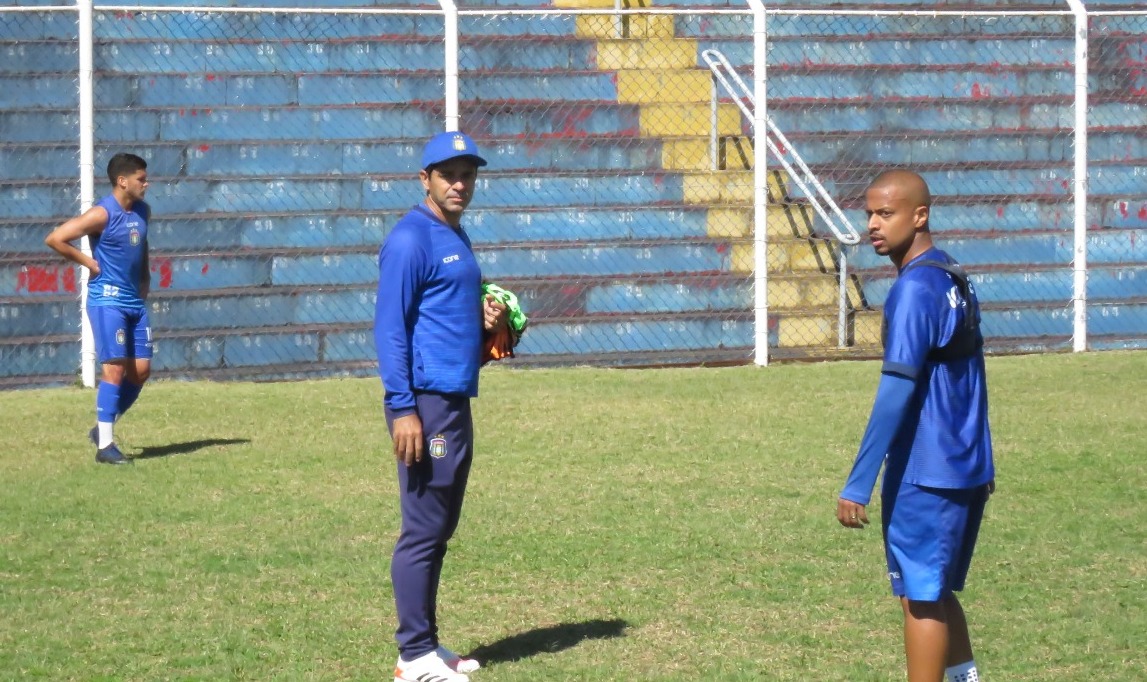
60, 240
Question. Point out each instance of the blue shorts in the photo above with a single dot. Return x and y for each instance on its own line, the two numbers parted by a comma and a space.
929, 537
120, 333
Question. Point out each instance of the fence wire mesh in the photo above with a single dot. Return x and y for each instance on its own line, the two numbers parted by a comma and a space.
619, 197
1117, 176
39, 130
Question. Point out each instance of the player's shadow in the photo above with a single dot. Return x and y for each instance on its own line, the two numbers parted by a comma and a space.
148, 452
547, 640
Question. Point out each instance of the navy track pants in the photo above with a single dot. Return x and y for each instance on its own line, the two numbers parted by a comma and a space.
431, 493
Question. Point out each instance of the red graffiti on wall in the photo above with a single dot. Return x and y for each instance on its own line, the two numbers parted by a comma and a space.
51, 279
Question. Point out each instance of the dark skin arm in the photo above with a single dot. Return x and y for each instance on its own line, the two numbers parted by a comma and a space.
92, 222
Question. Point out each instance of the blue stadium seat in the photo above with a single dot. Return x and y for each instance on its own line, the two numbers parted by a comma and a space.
40, 200
350, 346
254, 309
270, 349
38, 162
37, 318
590, 338
40, 358
670, 297
41, 92
35, 57
487, 227
40, 126
514, 55
31, 26
252, 124
552, 119
24, 237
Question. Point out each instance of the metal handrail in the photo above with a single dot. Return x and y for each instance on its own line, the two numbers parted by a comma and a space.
719, 65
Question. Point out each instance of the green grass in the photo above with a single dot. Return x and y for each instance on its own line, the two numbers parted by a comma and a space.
627, 524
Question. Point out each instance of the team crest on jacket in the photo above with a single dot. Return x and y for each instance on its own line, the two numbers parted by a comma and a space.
438, 446
134, 237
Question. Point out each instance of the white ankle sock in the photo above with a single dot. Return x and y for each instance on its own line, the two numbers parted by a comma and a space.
963, 672
105, 434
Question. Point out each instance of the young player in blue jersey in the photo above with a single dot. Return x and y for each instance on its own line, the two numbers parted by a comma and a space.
117, 290
929, 428
430, 320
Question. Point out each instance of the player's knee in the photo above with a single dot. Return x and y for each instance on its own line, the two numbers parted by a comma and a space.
925, 610
140, 375
113, 373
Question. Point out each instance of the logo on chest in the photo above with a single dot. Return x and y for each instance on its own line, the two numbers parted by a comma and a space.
451, 259
133, 237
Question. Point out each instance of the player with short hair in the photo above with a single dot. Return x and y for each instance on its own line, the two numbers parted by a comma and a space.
430, 321
117, 292
929, 427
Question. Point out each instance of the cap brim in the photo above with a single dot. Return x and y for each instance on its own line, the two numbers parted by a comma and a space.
477, 160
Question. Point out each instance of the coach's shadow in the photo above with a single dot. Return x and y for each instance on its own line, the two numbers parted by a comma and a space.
148, 452
547, 640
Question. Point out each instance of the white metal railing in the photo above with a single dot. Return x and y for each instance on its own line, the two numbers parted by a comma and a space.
820, 199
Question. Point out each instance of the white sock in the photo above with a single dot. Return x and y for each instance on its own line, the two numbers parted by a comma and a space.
105, 434
963, 672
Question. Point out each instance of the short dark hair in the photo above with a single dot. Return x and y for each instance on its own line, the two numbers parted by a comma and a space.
124, 164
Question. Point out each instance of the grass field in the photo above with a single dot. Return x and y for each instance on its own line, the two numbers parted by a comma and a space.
621, 525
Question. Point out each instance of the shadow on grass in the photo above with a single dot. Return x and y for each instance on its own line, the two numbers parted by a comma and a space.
547, 640
185, 448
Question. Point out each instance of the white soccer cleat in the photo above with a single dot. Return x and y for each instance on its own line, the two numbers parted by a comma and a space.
426, 668
456, 662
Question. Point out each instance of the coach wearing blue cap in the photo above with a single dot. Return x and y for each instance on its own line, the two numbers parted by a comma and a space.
430, 319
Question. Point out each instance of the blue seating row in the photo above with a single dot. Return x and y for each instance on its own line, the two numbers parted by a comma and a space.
220, 124
1028, 250
313, 90
276, 56
330, 227
209, 160
208, 90
1104, 283
981, 5
208, 25
919, 53
339, 229
811, 26
424, 54
251, 158
292, 26
588, 338
572, 120
1011, 262
253, 270
611, 189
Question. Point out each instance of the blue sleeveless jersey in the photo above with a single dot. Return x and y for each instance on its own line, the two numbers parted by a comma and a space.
120, 251
945, 441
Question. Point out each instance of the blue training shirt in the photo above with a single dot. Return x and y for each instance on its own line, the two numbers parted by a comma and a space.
944, 440
428, 313
120, 250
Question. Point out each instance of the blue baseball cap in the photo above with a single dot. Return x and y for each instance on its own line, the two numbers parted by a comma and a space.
450, 145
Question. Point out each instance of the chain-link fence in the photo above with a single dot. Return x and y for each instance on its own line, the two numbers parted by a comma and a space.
619, 200
39, 157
